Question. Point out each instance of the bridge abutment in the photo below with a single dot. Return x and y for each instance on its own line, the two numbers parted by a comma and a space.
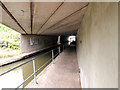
33, 43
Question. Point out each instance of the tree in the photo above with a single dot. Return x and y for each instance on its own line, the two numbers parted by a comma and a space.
9, 38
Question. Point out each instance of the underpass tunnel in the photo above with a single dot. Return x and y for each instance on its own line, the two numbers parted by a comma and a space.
86, 32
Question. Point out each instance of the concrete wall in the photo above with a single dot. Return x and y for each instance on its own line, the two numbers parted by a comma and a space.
32, 43
119, 45
97, 46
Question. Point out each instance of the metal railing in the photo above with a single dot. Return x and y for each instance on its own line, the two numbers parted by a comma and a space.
33, 60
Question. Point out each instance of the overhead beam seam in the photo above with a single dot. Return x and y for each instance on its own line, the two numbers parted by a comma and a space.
8, 12
65, 18
67, 24
50, 16
31, 15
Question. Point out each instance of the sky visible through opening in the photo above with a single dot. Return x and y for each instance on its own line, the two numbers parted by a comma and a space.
71, 39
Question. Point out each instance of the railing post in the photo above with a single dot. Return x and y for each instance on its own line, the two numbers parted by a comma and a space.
53, 56
34, 71
59, 49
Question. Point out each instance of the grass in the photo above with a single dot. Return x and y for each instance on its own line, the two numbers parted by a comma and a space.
5, 53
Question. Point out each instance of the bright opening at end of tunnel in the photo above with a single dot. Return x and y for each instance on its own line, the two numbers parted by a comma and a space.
71, 39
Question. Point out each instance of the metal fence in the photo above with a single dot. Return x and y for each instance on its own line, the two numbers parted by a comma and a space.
33, 60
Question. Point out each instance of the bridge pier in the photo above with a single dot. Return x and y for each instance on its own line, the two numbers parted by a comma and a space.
34, 43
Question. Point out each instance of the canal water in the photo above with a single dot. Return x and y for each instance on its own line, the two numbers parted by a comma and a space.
16, 77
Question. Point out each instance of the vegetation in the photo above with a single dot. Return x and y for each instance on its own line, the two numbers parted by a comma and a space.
9, 42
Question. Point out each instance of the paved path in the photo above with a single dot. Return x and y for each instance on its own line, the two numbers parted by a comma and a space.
62, 74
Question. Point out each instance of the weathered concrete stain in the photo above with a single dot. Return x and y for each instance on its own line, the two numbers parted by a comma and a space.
98, 51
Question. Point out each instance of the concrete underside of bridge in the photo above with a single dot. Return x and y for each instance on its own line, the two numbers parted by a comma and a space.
94, 24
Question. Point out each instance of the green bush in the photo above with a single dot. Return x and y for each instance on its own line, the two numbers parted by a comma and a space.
9, 38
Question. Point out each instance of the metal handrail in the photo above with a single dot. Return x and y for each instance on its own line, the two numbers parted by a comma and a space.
16, 67
34, 73
33, 59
